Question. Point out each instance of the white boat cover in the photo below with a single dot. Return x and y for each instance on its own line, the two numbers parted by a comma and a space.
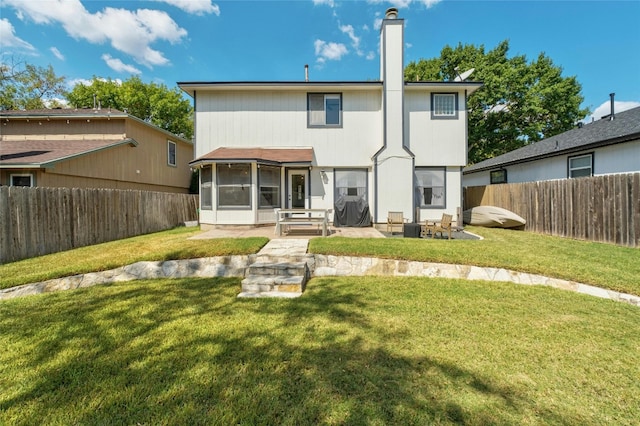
492, 217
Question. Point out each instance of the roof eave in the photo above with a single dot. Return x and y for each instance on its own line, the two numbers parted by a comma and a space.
586, 147
51, 163
190, 87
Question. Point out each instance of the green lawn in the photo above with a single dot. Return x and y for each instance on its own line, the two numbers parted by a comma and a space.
360, 350
603, 265
168, 245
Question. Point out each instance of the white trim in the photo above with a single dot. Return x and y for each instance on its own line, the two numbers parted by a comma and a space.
290, 192
12, 175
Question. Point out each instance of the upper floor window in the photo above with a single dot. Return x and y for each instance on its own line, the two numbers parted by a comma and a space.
498, 176
324, 109
444, 105
171, 153
581, 165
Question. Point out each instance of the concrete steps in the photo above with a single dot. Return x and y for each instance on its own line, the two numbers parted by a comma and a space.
269, 277
281, 269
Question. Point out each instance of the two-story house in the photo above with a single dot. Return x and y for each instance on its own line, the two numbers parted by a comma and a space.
91, 148
390, 144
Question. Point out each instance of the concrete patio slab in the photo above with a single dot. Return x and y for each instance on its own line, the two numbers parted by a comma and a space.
230, 231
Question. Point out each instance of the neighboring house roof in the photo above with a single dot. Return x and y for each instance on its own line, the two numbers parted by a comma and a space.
88, 113
45, 153
265, 155
623, 128
64, 112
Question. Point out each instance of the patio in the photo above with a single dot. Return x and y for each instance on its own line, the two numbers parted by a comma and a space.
311, 232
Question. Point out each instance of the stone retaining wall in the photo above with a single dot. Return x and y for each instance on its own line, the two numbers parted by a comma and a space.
360, 266
235, 266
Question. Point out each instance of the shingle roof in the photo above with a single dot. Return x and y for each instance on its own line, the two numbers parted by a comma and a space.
42, 153
624, 127
63, 112
273, 155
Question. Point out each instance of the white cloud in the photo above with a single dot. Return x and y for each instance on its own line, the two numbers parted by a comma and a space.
348, 30
55, 102
401, 4
57, 53
605, 109
130, 32
119, 66
430, 3
329, 3
72, 83
8, 37
196, 7
329, 51
371, 55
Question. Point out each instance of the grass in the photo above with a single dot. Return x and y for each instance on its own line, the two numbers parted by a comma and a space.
168, 245
359, 350
603, 265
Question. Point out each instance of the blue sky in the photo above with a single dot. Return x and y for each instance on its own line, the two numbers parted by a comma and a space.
205, 40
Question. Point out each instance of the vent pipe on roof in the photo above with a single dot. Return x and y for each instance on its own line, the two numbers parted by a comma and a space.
391, 13
612, 116
306, 73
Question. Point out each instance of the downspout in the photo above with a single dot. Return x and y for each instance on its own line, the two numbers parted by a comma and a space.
466, 156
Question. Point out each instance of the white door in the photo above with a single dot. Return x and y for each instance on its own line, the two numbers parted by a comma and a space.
298, 189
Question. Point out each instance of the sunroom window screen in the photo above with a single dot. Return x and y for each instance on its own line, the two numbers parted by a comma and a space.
205, 188
351, 182
234, 185
269, 178
430, 187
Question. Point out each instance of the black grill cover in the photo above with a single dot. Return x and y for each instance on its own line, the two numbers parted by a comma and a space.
351, 210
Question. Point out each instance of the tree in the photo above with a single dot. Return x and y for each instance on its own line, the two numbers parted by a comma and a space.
520, 102
151, 102
26, 86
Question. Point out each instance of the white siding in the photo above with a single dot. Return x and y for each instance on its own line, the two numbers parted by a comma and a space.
263, 119
619, 158
435, 142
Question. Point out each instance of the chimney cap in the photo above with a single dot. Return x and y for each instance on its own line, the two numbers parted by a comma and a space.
391, 13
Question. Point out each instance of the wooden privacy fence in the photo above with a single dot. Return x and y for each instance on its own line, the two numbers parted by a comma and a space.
37, 221
599, 208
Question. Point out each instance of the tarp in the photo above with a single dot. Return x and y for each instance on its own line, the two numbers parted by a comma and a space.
351, 210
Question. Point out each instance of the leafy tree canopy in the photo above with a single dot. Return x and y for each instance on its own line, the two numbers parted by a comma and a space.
26, 86
521, 102
151, 102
